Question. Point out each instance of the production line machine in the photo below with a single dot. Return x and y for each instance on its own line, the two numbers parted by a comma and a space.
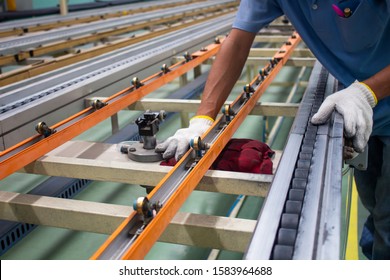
302, 182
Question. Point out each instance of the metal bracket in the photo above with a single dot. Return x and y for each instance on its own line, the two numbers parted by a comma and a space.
360, 160
143, 151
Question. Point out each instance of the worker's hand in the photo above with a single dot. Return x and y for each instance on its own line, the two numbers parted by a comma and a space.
178, 144
355, 104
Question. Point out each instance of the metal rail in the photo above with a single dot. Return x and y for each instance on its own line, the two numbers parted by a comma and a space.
109, 73
300, 218
44, 65
32, 148
203, 31
22, 26
26, 43
134, 238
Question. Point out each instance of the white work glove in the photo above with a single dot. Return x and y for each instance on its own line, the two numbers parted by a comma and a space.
178, 144
355, 104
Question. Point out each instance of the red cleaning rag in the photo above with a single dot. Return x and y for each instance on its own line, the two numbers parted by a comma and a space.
241, 155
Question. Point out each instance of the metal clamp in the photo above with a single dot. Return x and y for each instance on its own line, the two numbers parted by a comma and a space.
148, 126
359, 160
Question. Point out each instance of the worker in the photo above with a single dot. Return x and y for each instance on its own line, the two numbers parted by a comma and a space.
354, 47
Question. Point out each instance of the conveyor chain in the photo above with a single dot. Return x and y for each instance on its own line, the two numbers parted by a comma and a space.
300, 218
289, 224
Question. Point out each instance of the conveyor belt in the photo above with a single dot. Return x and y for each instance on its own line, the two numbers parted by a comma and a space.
301, 215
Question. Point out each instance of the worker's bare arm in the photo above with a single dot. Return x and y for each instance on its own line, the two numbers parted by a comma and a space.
380, 83
225, 71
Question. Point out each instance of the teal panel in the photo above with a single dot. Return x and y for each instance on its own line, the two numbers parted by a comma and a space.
40, 4
21, 183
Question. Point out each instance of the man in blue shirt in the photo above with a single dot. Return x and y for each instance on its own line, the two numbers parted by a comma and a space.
354, 47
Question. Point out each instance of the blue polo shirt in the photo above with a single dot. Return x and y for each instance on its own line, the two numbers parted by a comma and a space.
351, 48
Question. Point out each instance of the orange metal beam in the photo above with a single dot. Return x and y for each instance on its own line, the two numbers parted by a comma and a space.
155, 228
32, 148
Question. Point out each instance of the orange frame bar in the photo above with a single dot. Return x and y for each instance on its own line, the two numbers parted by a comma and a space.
155, 228
45, 145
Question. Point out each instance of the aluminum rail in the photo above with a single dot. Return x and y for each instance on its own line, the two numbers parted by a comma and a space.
38, 145
40, 23
16, 45
44, 65
134, 238
300, 218
65, 73
21, 107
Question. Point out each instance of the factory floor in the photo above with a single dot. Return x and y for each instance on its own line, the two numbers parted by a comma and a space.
62, 244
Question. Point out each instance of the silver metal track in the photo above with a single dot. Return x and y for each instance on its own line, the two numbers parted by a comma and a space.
300, 218
22, 107
17, 44
52, 19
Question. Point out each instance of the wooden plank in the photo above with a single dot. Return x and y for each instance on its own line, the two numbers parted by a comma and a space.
185, 228
11, 32
270, 52
222, 233
271, 38
7, 59
294, 61
190, 106
104, 162
62, 213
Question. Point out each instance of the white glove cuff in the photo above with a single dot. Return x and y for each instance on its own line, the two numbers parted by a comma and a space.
367, 92
201, 121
